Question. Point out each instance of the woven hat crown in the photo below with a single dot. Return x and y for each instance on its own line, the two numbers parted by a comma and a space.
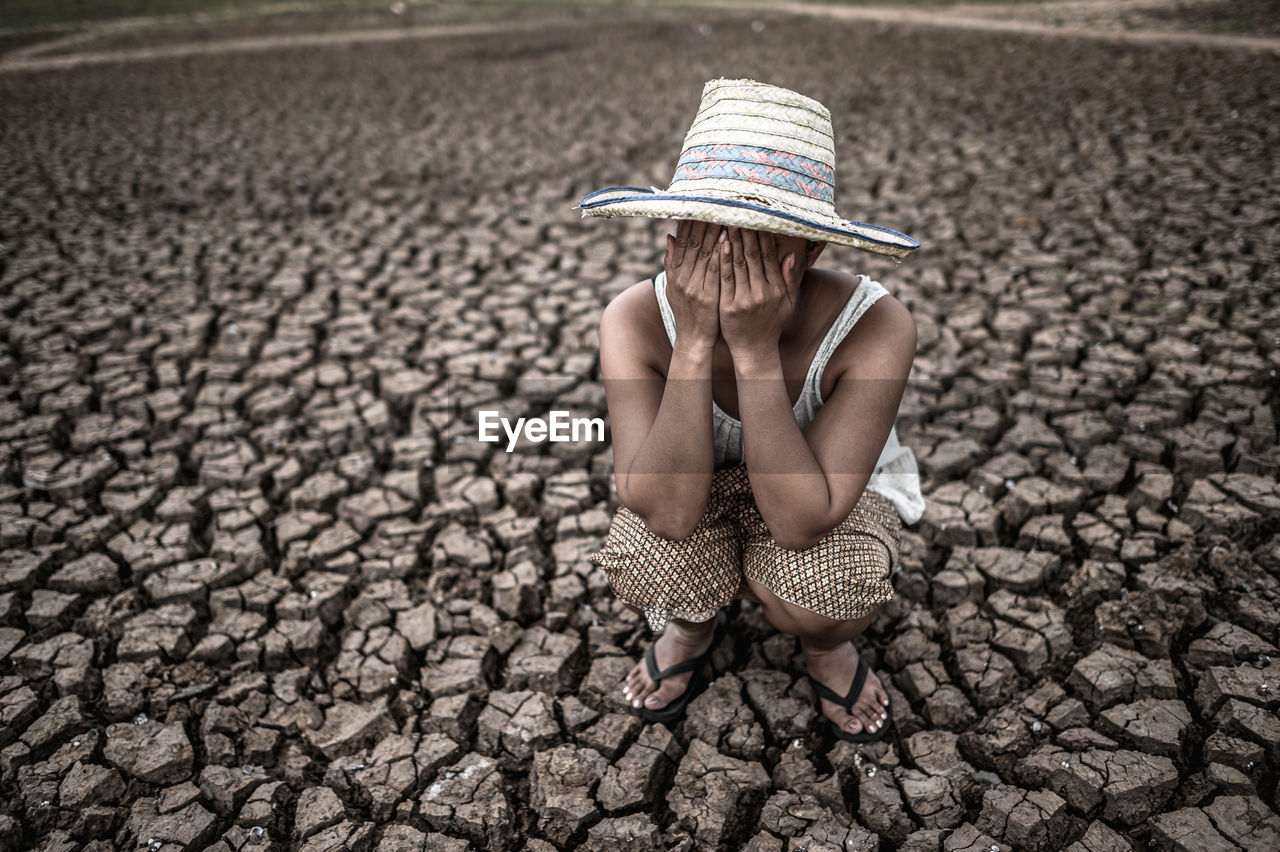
759, 143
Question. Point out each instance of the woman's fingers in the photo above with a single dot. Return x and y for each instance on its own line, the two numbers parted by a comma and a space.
706, 269
751, 260
772, 269
728, 282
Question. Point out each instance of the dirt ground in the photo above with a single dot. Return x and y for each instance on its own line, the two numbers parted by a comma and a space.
260, 587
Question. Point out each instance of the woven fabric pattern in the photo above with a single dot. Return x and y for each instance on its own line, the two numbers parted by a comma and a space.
761, 156
844, 576
772, 176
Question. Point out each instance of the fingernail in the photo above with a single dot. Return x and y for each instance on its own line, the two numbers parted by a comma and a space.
724, 249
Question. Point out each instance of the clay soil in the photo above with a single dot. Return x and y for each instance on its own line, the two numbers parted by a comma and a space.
261, 588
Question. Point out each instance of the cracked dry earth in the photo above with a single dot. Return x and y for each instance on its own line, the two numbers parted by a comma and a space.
261, 589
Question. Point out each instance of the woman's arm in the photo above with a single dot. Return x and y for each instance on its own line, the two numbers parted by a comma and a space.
663, 453
806, 483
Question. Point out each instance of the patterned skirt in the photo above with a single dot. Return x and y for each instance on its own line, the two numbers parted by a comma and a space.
844, 576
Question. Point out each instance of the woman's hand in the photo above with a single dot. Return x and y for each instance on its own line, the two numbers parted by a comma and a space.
757, 292
693, 282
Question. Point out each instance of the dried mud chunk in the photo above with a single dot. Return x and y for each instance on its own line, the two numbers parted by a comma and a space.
45, 659
468, 799
880, 806
318, 808
454, 715
1132, 786
1009, 568
346, 836
93, 574
637, 778
544, 661
406, 838
515, 725
785, 714
1035, 495
227, 789
396, 768
602, 687
1095, 581
89, 784
1207, 509
988, 676
1143, 620
1034, 632
1247, 683
722, 717
463, 664
562, 782
150, 752
371, 663
959, 582
51, 610
958, 515
715, 796
1100, 837
633, 833
189, 828
1246, 821
1035, 820
517, 592
1111, 675
293, 641
1188, 830
418, 625
158, 633
458, 546
611, 734
1150, 725
350, 726
1227, 644
1247, 721
191, 581
933, 799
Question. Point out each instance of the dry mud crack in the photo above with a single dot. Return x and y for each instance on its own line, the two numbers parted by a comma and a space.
260, 589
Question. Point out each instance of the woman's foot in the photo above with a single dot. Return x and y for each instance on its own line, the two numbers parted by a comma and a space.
835, 668
682, 640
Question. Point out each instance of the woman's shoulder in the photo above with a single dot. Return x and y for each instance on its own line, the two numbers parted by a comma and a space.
837, 288
632, 322
883, 331
637, 303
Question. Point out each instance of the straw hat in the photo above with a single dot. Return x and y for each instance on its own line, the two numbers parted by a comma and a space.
759, 157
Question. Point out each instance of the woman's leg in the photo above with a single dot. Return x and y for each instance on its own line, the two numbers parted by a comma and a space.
830, 656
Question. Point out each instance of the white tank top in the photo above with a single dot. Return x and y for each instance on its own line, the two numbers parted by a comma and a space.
896, 475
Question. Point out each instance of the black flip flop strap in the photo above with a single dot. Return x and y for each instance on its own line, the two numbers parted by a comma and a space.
831, 695
651, 659
651, 663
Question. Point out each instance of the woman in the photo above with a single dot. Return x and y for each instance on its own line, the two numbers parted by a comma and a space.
752, 400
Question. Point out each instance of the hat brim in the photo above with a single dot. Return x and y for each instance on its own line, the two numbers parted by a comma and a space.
637, 201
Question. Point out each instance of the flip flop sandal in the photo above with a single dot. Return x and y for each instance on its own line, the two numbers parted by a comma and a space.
847, 702
676, 707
